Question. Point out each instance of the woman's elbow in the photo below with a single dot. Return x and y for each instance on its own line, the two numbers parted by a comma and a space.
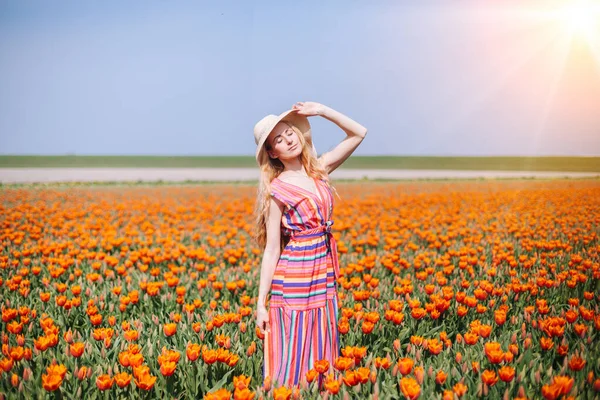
272, 252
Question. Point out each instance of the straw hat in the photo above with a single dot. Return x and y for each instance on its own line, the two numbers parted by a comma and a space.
265, 126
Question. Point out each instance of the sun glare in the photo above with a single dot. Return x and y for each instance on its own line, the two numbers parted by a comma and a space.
582, 18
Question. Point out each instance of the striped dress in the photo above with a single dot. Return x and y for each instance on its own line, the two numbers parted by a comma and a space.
303, 306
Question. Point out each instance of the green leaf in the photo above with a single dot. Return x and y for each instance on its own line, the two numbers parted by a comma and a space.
434, 330
221, 382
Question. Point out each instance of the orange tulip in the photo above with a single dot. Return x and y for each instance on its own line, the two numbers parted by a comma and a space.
251, 349
135, 360
143, 379
418, 313
244, 394
96, 319
83, 373
221, 394
461, 311
267, 383
193, 351
258, 332
57, 369
170, 329
343, 326
76, 349
311, 375
209, 356
321, 366
485, 330
362, 374
410, 388
131, 335
282, 393
68, 336
489, 377
241, 382
506, 373
434, 346
460, 389
233, 360
576, 363
367, 327
350, 378
493, 352
168, 355
551, 392
384, 363
500, 317
343, 363
440, 377
564, 382
167, 368
405, 365
14, 380
417, 340
223, 340
562, 350
571, 316
104, 382
458, 358
332, 385
122, 379
471, 338
546, 343
397, 318
51, 382
17, 353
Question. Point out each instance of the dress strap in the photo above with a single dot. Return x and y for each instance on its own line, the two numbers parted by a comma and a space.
278, 193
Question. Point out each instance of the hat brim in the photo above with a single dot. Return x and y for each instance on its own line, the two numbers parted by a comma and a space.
300, 121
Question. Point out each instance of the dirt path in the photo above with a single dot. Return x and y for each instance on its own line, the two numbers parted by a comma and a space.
31, 175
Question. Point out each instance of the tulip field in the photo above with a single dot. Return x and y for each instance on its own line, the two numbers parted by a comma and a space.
451, 289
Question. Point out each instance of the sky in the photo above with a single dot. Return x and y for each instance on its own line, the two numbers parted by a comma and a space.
439, 78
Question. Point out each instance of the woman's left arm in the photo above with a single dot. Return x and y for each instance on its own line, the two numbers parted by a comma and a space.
355, 133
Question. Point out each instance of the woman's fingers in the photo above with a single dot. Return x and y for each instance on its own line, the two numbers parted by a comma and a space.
263, 324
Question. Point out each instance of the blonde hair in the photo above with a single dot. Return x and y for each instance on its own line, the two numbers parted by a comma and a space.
271, 168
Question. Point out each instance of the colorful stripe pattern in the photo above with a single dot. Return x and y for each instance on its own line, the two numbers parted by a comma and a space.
303, 306
297, 339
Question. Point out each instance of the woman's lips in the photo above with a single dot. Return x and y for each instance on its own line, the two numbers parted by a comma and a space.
293, 147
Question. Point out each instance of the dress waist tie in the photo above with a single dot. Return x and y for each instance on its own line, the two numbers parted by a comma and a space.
322, 230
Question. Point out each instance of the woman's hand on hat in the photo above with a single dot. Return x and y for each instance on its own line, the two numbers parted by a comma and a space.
308, 108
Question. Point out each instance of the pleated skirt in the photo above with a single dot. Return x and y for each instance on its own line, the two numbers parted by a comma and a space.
297, 339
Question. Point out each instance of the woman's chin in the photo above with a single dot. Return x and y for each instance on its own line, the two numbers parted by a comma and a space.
293, 154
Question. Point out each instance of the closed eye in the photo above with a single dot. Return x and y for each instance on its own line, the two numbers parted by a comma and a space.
289, 133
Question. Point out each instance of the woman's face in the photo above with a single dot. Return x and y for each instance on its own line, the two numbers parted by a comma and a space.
284, 142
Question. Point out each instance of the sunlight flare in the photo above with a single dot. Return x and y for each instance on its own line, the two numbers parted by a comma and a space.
582, 19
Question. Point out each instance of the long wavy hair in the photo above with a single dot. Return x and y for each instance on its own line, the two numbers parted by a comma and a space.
271, 168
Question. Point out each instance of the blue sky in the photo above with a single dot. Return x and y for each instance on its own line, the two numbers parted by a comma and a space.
193, 77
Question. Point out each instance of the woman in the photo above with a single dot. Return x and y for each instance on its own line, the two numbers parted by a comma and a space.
300, 262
